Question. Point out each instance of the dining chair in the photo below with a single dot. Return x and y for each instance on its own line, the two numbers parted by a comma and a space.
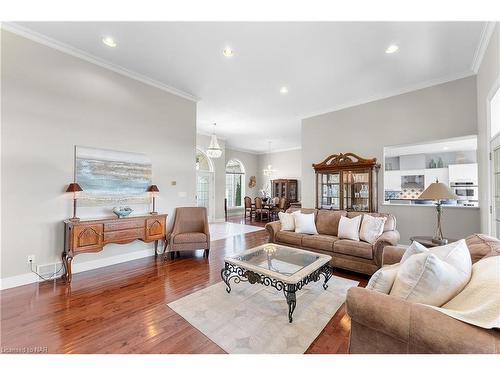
280, 207
260, 210
249, 207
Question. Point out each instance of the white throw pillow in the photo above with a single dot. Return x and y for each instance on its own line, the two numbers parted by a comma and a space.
371, 228
287, 221
383, 279
304, 223
414, 248
434, 277
349, 228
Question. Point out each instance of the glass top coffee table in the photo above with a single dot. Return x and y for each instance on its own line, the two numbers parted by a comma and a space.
285, 268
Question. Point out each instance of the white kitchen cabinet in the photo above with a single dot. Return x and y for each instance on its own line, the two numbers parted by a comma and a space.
463, 173
392, 180
431, 174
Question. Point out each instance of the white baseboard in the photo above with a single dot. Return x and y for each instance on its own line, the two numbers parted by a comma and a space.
28, 278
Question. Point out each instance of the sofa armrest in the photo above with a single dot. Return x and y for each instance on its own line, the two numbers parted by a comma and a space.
391, 237
411, 327
272, 228
392, 254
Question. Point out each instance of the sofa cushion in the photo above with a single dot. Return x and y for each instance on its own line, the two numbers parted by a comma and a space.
414, 248
353, 248
319, 241
291, 238
481, 245
390, 223
304, 223
383, 279
287, 221
193, 237
327, 221
371, 228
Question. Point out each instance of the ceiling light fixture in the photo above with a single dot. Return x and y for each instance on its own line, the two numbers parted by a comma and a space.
269, 171
228, 52
214, 151
110, 42
284, 90
391, 49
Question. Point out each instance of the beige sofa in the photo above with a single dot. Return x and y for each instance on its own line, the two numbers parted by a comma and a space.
381, 323
356, 256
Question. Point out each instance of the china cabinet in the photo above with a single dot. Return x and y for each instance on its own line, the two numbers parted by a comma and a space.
347, 182
285, 188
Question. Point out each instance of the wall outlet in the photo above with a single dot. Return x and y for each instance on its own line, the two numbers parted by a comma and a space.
31, 259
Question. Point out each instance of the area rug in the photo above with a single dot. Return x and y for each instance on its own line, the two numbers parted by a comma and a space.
219, 231
254, 319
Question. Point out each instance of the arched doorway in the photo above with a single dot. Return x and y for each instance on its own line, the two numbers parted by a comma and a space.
205, 194
235, 183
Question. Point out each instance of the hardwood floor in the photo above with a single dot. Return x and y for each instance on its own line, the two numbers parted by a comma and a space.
123, 308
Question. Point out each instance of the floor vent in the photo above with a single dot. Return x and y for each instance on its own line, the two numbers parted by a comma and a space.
51, 271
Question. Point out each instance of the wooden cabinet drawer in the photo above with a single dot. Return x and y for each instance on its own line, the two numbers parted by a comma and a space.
87, 237
125, 224
155, 228
125, 235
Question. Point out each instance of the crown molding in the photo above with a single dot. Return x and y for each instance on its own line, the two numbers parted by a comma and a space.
484, 40
389, 94
66, 48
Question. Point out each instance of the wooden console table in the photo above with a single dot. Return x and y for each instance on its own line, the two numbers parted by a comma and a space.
90, 236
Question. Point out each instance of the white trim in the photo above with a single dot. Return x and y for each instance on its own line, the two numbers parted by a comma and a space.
263, 152
390, 94
484, 40
281, 150
489, 180
55, 44
28, 278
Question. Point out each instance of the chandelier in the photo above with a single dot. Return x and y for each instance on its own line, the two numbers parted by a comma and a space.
269, 171
214, 151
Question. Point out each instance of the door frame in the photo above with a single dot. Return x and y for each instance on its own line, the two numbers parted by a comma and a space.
492, 144
211, 185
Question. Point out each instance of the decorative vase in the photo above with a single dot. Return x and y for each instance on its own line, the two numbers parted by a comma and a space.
440, 163
122, 212
432, 164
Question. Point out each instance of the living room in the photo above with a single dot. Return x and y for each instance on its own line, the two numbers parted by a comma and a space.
250, 186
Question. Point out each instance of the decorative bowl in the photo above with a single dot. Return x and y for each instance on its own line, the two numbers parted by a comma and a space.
122, 211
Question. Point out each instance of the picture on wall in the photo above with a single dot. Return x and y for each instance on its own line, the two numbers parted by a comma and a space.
108, 177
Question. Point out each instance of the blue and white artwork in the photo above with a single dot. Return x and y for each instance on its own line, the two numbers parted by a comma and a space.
108, 177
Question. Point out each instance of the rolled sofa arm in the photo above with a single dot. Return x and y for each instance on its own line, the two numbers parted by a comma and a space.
392, 254
391, 237
385, 324
272, 228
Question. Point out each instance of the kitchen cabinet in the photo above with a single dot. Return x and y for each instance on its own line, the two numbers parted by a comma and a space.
431, 174
392, 180
463, 173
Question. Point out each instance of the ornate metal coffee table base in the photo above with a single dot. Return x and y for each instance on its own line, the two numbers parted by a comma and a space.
239, 274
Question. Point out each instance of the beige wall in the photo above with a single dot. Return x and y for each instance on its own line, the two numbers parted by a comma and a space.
487, 76
52, 101
442, 111
288, 164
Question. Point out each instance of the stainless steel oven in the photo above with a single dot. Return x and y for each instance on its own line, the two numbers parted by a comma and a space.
466, 191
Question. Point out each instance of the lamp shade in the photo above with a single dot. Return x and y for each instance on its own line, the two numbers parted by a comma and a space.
73, 188
437, 191
153, 189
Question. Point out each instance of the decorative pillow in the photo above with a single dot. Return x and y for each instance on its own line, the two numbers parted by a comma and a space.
304, 223
383, 279
349, 228
434, 277
478, 303
414, 248
371, 228
287, 221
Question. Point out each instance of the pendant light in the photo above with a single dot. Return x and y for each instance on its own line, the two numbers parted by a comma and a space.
269, 171
214, 151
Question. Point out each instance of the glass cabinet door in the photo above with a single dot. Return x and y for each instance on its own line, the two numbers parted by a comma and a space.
329, 190
356, 190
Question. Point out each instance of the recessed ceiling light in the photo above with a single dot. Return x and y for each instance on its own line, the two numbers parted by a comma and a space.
228, 52
284, 90
392, 48
110, 42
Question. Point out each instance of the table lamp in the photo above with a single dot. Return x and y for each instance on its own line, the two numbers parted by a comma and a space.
438, 191
74, 188
153, 190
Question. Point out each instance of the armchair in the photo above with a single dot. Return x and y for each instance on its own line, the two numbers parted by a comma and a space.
190, 231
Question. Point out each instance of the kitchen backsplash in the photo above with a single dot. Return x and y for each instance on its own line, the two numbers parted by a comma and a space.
403, 194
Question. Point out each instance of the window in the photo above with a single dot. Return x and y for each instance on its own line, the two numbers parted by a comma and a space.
410, 169
235, 183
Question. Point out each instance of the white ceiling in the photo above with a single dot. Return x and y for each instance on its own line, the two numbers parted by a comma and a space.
468, 143
325, 65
